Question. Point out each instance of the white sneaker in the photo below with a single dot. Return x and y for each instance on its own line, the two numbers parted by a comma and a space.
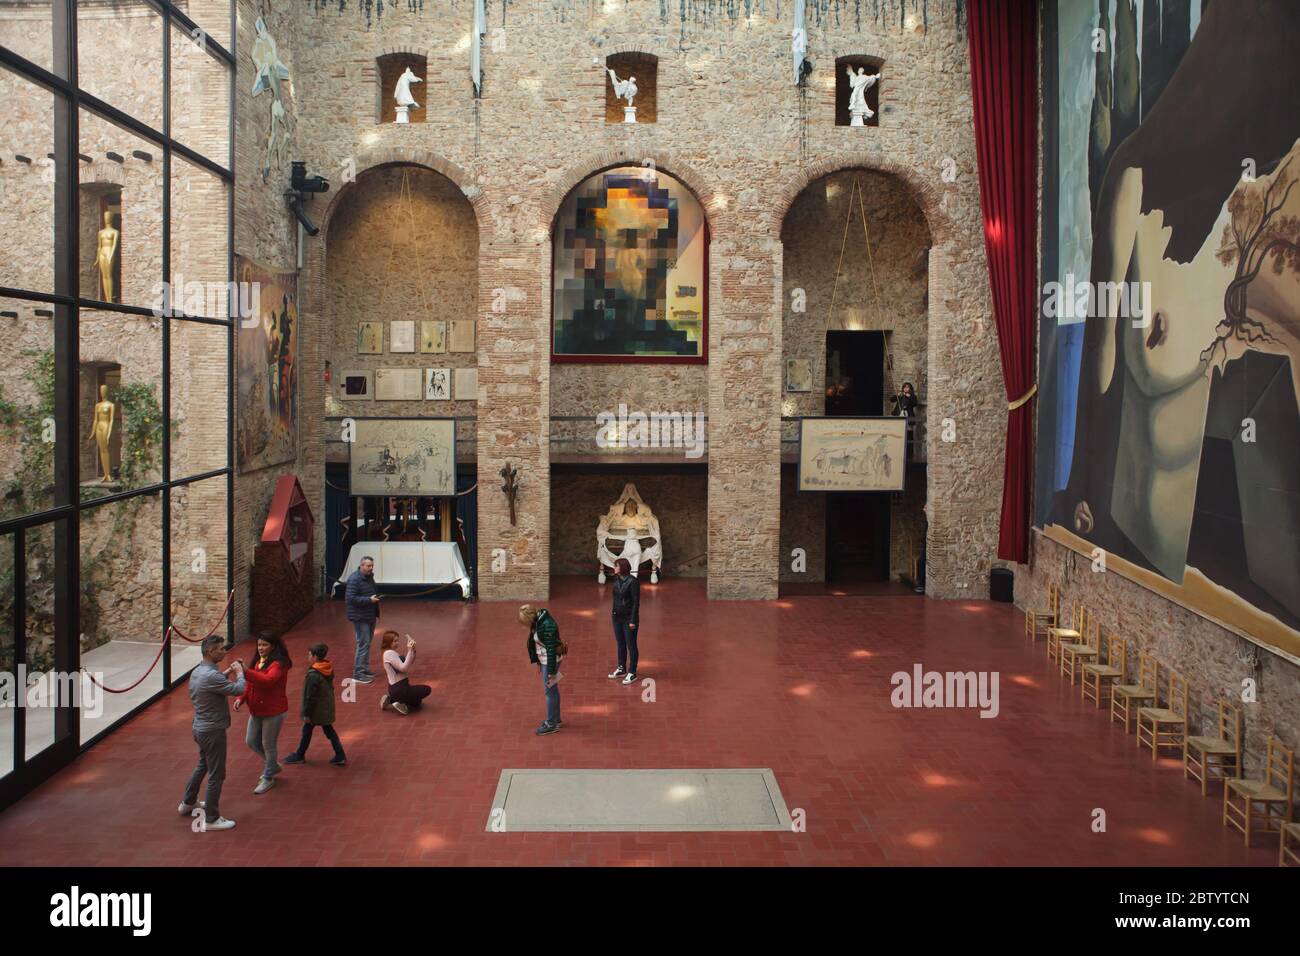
616, 672
383, 702
220, 823
630, 679
264, 784
401, 708
185, 809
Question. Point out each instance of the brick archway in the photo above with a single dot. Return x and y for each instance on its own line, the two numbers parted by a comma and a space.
552, 197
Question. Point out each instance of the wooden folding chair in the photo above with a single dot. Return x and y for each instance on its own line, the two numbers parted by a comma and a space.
1126, 698
1165, 726
1203, 754
1067, 632
1099, 678
1290, 843
1074, 655
1273, 794
1038, 620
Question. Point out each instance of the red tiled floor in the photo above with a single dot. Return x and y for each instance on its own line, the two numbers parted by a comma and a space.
801, 685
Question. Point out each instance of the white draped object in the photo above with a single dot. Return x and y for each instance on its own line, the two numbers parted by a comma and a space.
799, 45
476, 47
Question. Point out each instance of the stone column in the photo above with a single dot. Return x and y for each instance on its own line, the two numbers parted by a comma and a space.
744, 410
514, 380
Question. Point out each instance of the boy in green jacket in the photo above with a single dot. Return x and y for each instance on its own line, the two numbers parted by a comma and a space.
318, 706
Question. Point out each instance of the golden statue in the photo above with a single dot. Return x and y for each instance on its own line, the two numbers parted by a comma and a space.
106, 258
101, 430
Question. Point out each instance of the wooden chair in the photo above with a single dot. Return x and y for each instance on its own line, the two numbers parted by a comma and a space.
1074, 656
1126, 698
1099, 678
1165, 726
1202, 754
1273, 794
1038, 620
1287, 855
1067, 632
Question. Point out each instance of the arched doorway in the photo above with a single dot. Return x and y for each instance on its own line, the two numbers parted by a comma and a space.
856, 252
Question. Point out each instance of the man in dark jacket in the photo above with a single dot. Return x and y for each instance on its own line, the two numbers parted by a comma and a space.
318, 706
626, 612
362, 599
544, 651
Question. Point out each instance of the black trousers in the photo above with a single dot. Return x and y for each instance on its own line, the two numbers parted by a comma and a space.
625, 637
404, 692
330, 735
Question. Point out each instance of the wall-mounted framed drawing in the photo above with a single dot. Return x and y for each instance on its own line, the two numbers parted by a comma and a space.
433, 336
852, 454
401, 336
465, 381
437, 384
403, 456
399, 384
798, 375
461, 338
370, 338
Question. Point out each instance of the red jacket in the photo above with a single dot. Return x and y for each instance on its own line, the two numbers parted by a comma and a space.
265, 694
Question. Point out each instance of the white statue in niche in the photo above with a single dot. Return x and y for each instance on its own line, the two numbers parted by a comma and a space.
402, 96
859, 83
631, 522
624, 90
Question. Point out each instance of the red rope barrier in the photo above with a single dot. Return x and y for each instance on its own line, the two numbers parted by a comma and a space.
162, 647
224, 611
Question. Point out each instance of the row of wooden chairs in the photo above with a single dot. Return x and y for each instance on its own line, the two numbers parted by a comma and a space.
1075, 643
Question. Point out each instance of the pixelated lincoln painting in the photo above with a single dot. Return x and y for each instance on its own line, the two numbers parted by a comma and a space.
629, 270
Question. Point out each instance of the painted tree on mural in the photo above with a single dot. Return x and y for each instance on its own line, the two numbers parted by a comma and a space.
1255, 234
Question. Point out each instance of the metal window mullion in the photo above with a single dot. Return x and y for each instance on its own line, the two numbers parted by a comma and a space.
20, 647
232, 309
166, 389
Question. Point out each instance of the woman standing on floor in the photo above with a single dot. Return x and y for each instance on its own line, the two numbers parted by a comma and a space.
626, 612
266, 676
402, 694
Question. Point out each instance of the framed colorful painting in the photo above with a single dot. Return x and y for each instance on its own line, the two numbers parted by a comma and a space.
266, 370
630, 271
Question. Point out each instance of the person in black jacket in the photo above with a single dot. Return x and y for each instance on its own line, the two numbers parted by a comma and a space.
626, 612
362, 600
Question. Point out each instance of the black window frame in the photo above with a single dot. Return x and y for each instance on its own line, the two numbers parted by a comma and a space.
67, 300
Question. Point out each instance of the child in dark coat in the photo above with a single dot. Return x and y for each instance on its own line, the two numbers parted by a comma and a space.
318, 706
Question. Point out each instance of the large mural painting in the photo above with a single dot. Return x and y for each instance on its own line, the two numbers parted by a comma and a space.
1169, 415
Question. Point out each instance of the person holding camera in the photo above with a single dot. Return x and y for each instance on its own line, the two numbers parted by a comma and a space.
402, 694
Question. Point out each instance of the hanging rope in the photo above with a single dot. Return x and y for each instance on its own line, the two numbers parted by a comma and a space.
857, 191
166, 642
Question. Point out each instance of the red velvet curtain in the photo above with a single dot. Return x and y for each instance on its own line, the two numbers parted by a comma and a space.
1004, 86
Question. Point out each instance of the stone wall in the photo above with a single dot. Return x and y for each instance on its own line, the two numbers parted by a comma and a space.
539, 129
1215, 661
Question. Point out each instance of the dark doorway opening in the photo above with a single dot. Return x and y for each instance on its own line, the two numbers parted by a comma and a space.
857, 523
857, 537
855, 373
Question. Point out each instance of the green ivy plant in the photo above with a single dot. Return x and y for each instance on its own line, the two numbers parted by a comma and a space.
25, 429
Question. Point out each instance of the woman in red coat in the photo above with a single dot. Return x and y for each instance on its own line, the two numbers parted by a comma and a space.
266, 676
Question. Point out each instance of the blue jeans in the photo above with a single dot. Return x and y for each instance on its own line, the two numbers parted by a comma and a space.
264, 738
365, 634
552, 696
625, 635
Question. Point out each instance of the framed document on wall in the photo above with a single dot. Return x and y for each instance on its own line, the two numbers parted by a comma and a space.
399, 384
403, 456
852, 454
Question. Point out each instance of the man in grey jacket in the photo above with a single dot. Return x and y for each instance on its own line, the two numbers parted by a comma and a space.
362, 600
209, 688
